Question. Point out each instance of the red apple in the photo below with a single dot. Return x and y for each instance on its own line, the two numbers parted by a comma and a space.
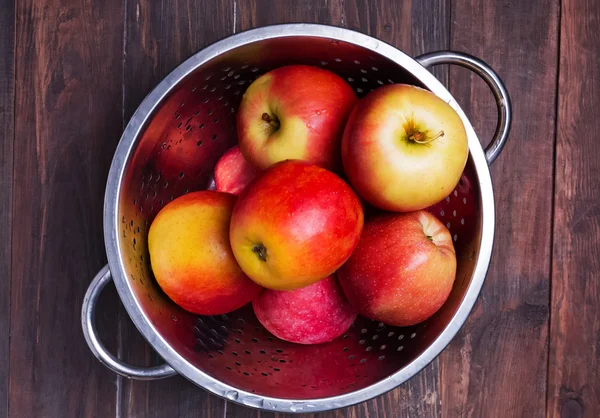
403, 269
404, 148
191, 256
295, 225
232, 172
294, 112
314, 314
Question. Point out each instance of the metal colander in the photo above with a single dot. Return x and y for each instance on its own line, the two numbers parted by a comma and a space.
170, 147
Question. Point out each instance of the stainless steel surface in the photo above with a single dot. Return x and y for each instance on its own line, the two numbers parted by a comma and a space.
88, 322
493, 150
170, 147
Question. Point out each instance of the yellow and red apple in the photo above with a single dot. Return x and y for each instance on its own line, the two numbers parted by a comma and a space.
294, 112
404, 148
402, 270
191, 256
295, 225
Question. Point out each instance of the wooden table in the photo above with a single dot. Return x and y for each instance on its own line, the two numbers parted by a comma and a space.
73, 72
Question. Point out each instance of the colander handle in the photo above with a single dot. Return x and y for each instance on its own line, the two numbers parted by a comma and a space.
88, 322
494, 83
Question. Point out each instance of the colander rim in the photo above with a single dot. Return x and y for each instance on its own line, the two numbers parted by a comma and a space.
111, 222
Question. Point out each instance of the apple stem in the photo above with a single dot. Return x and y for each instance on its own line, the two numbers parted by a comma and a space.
272, 121
419, 137
260, 251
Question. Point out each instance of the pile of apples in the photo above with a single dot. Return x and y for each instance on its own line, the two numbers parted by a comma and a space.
318, 213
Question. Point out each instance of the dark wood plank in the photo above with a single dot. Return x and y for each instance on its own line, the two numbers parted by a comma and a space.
574, 378
68, 121
7, 93
498, 362
159, 36
416, 28
256, 13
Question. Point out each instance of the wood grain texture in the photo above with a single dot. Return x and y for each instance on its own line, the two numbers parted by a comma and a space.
68, 120
498, 361
574, 378
158, 37
256, 13
416, 28
7, 93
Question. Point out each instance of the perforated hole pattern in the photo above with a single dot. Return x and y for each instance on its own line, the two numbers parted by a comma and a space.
176, 155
